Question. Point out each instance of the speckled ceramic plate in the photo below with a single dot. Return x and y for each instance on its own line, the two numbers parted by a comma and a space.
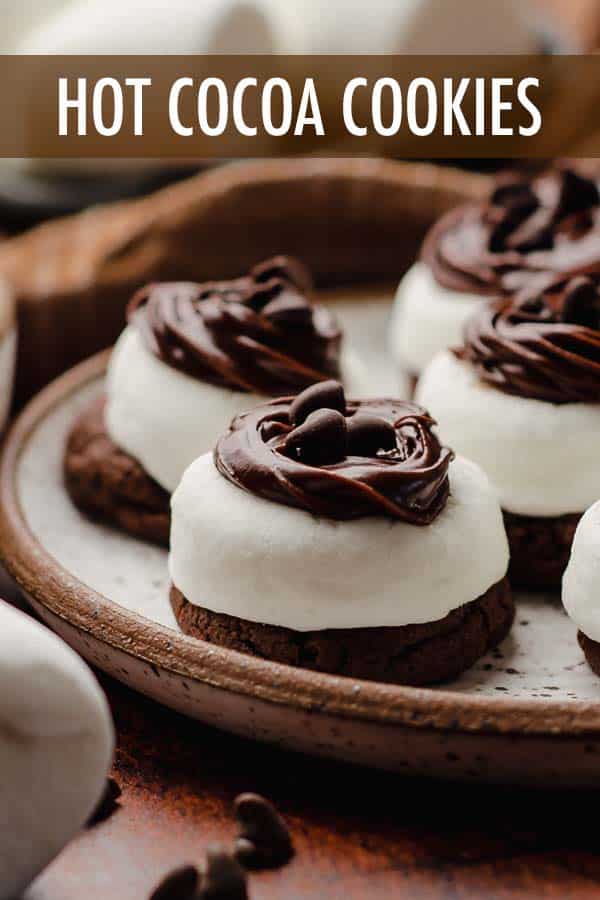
530, 711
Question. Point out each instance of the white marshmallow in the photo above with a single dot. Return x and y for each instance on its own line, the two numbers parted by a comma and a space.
56, 745
541, 457
165, 418
427, 318
233, 552
581, 580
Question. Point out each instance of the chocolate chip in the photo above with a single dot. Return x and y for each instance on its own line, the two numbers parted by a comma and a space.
581, 305
264, 841
289, 308
224, 878
369, 433
283, 267
320, 440
323, 395
180, 884
107, 805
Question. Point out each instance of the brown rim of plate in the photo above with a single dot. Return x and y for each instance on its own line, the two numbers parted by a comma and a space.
40, 576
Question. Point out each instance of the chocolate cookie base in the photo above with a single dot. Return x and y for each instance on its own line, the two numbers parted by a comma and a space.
410, 654
539, 549
107, 484
591, 650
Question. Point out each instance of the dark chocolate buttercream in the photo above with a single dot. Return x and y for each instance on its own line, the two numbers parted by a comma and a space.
544, 343
259, 333
549, 224
263, 453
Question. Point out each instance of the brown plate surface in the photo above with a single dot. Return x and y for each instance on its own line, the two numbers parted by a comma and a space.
529, 712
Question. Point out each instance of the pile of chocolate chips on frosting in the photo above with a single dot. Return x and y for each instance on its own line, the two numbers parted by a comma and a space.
339, 459
323, 435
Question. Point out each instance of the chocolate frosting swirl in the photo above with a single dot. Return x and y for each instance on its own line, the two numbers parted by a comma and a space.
549, 224
543, 344
408, 481
258, 333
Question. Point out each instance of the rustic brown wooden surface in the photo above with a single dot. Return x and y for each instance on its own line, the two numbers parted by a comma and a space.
358, 834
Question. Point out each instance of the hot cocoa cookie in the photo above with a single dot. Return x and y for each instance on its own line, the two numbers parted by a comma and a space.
191, 358
521, 398
526, 227
105, 482
341, 536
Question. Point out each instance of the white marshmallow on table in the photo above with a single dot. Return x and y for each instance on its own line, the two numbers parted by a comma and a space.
542, 458
165, 418
581, 580
236, 553
56, 746
426, 318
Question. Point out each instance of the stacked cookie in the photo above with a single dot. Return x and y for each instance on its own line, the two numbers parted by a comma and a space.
341, 536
